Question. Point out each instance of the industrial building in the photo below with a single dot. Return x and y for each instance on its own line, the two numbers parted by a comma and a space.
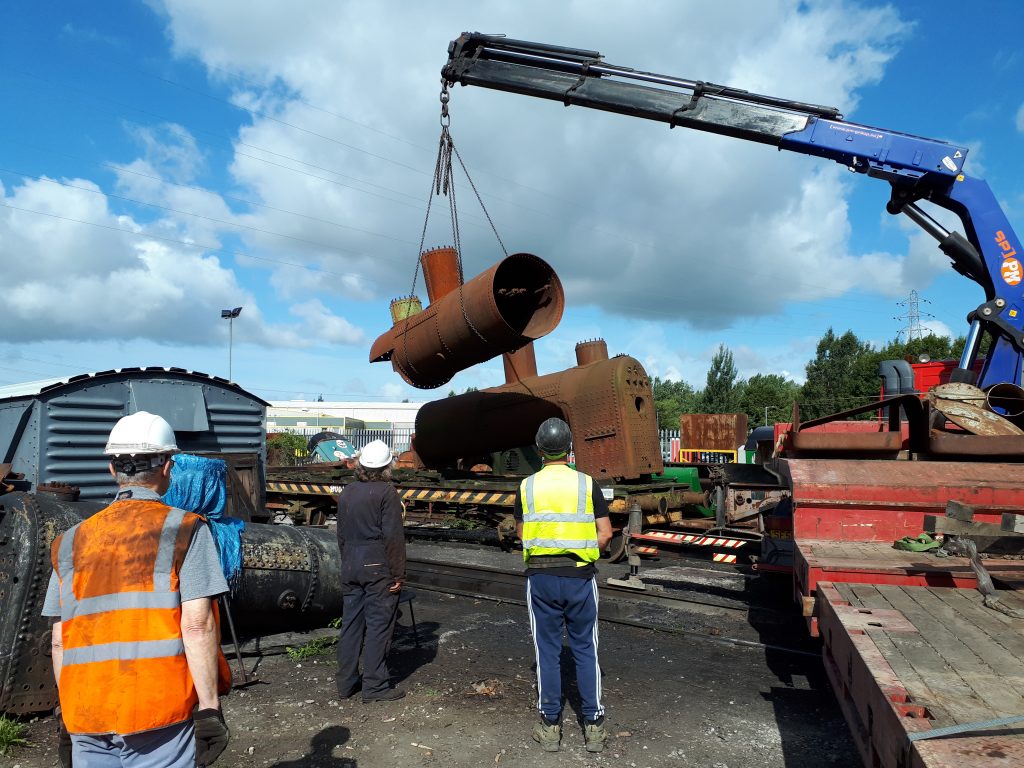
311, 416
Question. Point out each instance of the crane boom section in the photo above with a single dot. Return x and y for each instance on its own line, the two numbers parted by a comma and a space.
917, 168
581, 78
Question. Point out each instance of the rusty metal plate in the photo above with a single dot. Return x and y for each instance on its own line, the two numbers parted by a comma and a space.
712, 431
977, 446
958, 392
856, 442
976, 420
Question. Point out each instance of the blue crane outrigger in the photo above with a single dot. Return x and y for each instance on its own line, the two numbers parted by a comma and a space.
916, 168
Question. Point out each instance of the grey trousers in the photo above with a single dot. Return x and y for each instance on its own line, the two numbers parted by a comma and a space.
170, 747
368, 621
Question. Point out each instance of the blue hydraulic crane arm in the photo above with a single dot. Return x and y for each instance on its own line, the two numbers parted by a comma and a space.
917, 168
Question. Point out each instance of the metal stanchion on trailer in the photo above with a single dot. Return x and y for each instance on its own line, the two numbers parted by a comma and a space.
632, 579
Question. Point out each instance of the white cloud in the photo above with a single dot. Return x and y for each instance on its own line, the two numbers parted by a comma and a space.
609, 201
319, 322
76, 281
171, 148
638, 220
938, 327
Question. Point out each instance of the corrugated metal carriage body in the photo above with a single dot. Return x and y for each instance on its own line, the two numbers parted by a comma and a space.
55, 431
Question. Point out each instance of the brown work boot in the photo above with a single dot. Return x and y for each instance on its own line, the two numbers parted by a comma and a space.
547, 734
595, 735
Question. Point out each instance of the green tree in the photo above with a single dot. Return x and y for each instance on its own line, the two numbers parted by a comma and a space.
842, 375
285, 447
935, 347
721, 391
672, 398
771, 394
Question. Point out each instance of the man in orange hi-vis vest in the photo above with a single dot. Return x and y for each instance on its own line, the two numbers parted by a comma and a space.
136, 647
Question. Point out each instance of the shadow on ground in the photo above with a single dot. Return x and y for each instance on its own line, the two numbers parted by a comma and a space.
794, 658
321, 751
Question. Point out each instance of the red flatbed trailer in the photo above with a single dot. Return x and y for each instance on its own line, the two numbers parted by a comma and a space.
909, 647
908, 662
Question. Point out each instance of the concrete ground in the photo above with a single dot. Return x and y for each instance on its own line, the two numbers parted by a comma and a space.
672, 700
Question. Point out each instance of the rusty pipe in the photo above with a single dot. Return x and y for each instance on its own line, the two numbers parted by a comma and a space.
649, 503
440, 272
1009, 398
517, 300
519, 365
591, 351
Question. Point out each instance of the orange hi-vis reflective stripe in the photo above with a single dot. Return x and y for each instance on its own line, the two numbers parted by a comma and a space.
124, 668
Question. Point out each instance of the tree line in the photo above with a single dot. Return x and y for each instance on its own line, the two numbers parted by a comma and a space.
843, 374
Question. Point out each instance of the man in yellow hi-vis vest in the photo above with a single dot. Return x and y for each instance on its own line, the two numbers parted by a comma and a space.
562, 519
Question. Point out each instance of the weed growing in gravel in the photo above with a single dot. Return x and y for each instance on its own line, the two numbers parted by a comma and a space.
12, 734
318, 646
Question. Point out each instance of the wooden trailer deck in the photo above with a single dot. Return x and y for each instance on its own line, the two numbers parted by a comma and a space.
907, 660
873, 562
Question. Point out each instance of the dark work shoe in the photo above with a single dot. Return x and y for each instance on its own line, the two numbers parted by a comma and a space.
347, 688
595, 735
547, 734
388, 694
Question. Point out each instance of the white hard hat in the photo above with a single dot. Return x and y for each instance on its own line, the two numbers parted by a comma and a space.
139, 434
375, 454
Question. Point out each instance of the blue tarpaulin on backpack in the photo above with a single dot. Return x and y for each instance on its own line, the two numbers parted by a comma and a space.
199, 484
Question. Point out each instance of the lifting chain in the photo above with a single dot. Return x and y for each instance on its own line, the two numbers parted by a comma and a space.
443, 183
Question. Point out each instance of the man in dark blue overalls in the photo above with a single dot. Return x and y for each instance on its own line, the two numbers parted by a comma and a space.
372, 542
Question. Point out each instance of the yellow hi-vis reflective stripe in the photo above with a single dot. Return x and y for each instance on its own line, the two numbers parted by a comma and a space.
547, 529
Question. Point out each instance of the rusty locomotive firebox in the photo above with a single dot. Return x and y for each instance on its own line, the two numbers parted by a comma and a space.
608, 403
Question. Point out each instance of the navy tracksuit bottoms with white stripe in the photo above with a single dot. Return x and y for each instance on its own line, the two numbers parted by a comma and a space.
554, 602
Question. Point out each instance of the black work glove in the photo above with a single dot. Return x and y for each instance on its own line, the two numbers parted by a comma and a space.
212, 735
63, 740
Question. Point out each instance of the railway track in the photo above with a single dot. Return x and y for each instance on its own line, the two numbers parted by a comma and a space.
675, 610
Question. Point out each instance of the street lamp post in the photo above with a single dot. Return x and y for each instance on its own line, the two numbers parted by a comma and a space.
766, 409
230, 315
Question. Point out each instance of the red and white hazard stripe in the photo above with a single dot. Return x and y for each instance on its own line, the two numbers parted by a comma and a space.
695, 539
721, 557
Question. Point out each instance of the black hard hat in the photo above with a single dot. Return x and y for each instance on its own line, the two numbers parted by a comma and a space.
553, 437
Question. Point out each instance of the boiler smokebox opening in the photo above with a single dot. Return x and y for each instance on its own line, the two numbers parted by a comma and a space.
528, 294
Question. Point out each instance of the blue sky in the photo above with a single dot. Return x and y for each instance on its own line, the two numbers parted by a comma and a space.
178, 157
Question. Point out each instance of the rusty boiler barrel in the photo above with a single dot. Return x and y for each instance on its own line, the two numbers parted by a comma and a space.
517, 300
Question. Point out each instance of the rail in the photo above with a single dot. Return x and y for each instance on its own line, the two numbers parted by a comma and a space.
618, 605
